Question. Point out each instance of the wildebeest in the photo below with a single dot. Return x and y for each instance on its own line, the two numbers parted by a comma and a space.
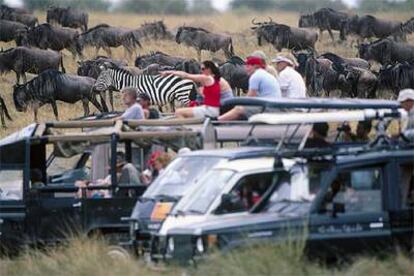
234, 72
201, 39
387, 51
46, 36
92, 68
284, 37
167, 62
11, 30
324, 19
51, 86
4, 113
396, 76
368, 26
105, 36
30, 60
354, 62
18, 15
68, 17
154, 30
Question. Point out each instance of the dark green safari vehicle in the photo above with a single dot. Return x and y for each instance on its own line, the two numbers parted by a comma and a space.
61, 179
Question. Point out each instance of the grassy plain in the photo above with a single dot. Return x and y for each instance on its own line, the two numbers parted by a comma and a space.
236, 24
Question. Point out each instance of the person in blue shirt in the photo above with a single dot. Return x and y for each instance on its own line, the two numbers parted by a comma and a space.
261, 84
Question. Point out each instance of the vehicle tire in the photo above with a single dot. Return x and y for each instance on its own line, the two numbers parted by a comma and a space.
118, 253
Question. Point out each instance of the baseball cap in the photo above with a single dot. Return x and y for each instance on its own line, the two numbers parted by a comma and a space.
254, 61
406, 94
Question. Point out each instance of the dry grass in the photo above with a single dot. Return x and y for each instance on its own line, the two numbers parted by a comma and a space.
236, 24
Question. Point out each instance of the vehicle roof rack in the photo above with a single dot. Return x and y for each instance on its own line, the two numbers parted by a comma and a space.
314, 103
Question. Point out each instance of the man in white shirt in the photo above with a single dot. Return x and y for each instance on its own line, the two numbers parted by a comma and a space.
290, 81
134, 110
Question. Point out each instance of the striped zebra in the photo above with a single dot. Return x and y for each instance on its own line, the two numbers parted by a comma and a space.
161, 90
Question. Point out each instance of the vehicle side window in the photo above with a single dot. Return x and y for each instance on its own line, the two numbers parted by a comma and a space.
356, 191
248, 192
407, 184
11, 184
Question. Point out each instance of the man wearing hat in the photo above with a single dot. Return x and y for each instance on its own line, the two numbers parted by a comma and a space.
406, 98
261, 84
268, 68
290, 81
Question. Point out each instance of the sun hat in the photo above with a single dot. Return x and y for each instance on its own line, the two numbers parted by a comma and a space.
283, 59
406, 94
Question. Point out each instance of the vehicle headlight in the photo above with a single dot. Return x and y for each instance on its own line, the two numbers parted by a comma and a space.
200, 245
170, 245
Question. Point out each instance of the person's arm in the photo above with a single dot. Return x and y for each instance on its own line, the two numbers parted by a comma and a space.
202, 79
283, 83
254, 84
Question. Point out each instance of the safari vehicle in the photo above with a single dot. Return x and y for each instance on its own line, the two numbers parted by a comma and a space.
338, 201
42, 205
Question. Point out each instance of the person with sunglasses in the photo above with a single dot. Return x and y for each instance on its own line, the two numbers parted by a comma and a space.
209, 79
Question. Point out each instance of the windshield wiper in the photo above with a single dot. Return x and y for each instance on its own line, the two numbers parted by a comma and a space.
192, 211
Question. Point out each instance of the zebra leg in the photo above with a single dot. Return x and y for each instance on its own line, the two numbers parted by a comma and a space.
111, 99
103, 103
95, 102
55, 110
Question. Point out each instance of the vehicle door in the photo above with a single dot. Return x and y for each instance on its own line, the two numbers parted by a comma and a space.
12, 208
402, 215
352, 214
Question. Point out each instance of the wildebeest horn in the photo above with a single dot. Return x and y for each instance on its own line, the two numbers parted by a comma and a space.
254, 21
271, 20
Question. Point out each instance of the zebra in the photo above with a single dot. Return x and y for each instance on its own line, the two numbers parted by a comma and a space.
161, 90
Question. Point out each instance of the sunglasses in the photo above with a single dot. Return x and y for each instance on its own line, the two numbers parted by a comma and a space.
203, 68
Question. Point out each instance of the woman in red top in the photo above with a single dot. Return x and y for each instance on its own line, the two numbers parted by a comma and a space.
210, 82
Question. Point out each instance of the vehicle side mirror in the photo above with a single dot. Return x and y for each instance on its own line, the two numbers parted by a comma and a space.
230, 203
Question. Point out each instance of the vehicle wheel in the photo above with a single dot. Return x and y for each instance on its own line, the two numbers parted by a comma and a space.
118, 253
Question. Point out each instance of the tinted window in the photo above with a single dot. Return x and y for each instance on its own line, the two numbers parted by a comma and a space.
357, 190
407, 184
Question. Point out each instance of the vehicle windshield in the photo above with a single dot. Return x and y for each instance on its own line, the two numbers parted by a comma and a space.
180, 175
61, 164
296, 194
11, 184
211, 187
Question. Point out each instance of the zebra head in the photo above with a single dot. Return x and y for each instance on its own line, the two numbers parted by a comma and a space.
105, 81
20, 97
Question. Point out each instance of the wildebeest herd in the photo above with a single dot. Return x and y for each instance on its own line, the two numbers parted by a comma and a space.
39, 45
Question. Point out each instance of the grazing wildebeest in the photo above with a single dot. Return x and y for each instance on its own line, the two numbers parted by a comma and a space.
284, 37
387, 51
158, 58
234, 72
4, 113
105, 36
201, 39
30, 60
368, 26
51, 86
154, 30
396, 77
68, 17
324, 19
11, 30
161, 90
18, 15
354, 62
362, 83
408, 26
92, 68
46, 36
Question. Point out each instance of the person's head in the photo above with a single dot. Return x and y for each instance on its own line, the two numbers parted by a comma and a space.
320, 130
210, 68
36, 175
260, 54
282, 62
120, 160
363, 129
129, 96
162, 161
253, 64
406, 98
144, 100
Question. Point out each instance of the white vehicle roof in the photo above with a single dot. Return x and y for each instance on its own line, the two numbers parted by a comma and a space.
248, 164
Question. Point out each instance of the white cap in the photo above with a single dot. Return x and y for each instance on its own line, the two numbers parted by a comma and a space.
183, 150
283, 59
406, 94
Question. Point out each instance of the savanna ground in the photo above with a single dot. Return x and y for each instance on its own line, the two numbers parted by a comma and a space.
89, 257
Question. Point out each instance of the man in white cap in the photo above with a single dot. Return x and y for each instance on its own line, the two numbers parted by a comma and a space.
406, 98
291, 82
